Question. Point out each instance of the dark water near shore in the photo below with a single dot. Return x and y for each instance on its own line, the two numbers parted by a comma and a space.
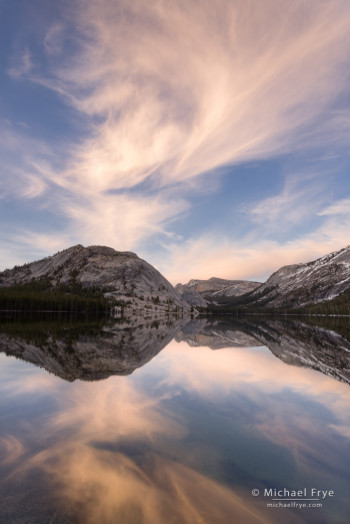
154, 421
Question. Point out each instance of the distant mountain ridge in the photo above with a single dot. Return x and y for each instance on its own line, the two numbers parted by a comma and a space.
204, 292
291, 286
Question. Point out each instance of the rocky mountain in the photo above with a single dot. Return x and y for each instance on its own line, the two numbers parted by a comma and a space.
309, 283
297, 343
298, 285
121, 275
134, 285
214, 290
87, 352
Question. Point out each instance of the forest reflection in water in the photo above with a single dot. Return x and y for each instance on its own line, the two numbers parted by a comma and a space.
201, 414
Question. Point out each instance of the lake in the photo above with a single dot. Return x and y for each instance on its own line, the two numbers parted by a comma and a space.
143, 421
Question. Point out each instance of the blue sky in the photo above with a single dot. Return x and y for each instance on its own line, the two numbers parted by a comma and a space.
211, 138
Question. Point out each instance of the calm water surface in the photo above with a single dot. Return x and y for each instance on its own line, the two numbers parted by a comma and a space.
159, 422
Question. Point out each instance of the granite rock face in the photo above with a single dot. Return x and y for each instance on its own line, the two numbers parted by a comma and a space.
119, 274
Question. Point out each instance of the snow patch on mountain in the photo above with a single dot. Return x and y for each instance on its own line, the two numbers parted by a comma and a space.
308, 283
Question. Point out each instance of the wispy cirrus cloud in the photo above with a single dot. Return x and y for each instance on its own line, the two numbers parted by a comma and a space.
22, 65
166, 92
301, 197
188, 92
24, 171
54, 38
340, 207
255, 256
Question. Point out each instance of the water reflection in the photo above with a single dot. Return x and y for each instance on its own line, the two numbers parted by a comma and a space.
88, 351
85, 351
184, 439
317, 343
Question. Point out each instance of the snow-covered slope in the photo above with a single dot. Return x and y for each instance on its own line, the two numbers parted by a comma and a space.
120, 274
309, 283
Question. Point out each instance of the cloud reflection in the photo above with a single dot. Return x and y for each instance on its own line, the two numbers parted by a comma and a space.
98, 482
12, 448
112, 447
110, 486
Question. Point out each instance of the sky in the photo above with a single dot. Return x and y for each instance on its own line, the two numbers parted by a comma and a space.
210, 138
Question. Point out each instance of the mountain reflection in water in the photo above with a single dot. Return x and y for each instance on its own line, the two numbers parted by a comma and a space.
88, 351
324, 347
94, 352
187, 436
